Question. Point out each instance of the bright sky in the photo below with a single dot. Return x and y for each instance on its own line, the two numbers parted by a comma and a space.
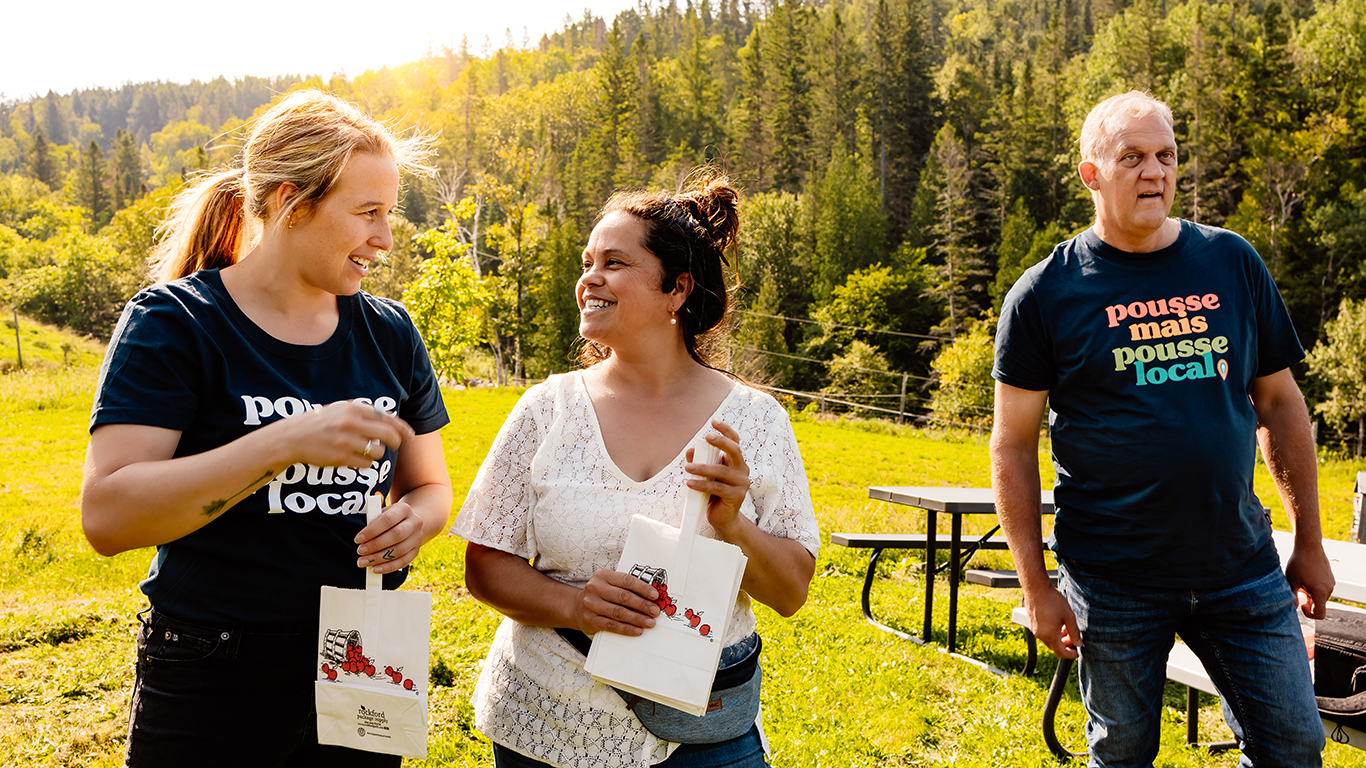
84, 44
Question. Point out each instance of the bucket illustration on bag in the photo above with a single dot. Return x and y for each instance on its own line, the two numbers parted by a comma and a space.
337, 643
659, 579
343, 653
652, 576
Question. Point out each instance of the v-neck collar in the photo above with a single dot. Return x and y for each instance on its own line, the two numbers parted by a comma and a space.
667, 468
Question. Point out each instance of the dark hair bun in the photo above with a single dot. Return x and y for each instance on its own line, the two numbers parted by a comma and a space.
717, 207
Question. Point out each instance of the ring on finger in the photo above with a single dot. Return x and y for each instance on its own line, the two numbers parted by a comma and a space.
369, 448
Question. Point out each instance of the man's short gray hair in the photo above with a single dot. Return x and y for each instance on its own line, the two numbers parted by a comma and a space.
1096, 137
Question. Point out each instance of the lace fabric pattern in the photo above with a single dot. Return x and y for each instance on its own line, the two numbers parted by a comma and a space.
549, 492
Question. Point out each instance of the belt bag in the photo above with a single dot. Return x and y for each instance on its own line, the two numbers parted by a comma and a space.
1340, 667
732, 706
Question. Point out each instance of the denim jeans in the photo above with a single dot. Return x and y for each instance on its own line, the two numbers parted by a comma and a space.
744, 752
1247, 637
216, 696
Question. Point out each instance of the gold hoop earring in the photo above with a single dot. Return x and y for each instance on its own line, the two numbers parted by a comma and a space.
289, 221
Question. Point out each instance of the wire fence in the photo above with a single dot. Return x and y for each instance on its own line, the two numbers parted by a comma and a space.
842, 325
909, 405
828, 404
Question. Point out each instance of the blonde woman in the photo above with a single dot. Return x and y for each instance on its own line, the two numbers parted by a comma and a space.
581, 453
246, 406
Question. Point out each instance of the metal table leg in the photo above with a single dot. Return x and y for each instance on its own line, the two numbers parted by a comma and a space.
1050, 710
1193, 725
930, 528
956, 537
867, 606
1032, 648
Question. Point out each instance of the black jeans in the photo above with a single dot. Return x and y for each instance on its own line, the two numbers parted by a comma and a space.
212, 696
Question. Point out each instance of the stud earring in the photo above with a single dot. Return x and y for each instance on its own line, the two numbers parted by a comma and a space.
673, 318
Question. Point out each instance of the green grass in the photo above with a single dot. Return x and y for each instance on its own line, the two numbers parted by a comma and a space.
837, 691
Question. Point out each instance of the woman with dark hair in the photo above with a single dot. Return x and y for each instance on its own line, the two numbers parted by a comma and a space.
248, 404
547, 516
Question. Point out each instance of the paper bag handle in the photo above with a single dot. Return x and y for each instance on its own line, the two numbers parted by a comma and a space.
374, 504
694, 508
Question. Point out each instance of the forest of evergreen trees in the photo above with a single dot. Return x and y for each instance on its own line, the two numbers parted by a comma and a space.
903, 162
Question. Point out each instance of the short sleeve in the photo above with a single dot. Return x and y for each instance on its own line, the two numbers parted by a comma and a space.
497, 512
782, 495
1023, 359
152, 370
1278, 346
424, 409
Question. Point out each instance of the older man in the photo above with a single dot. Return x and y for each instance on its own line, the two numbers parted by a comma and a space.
1161, 349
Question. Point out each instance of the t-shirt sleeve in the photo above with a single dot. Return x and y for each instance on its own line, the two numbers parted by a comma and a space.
424, 410
781, 494
497, 512
1022, 347
1278, 346
152, 371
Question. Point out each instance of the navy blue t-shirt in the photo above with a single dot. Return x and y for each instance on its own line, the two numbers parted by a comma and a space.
185, 357
1148, 360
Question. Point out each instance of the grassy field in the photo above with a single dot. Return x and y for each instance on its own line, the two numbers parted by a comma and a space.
837, 692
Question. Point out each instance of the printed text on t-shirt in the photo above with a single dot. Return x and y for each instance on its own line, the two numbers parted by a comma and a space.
330, 490
1158, 319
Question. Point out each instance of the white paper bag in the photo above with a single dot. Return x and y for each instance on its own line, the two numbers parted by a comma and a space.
371, 691
674, 662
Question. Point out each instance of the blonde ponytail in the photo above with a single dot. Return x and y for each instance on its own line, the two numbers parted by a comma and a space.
205, 229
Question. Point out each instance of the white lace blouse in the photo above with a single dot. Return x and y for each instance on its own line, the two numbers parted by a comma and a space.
549, 492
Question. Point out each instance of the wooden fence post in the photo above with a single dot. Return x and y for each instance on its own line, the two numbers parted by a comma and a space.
901, 409
18, 351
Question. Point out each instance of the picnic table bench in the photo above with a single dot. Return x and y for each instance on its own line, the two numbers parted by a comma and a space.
1184, 667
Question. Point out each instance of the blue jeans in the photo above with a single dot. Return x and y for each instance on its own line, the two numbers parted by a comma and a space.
1247, 637
744, 752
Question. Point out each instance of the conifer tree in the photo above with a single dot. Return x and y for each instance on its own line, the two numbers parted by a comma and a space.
40, 160
962, 272
760, 342
903, 105
614, 78
469, 115
90, 180
701, 92
54, 120
836, 85
787, 24
647, 118
851, 232
749, 124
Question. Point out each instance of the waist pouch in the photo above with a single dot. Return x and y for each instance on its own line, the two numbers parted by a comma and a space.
1340, 667
732, 706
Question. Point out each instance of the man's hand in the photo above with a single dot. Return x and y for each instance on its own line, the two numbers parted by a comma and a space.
1054, 624
1311, 576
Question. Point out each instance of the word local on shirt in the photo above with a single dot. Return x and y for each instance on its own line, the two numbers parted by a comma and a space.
338, 500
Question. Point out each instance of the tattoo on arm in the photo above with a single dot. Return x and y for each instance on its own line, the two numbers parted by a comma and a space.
218, 505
